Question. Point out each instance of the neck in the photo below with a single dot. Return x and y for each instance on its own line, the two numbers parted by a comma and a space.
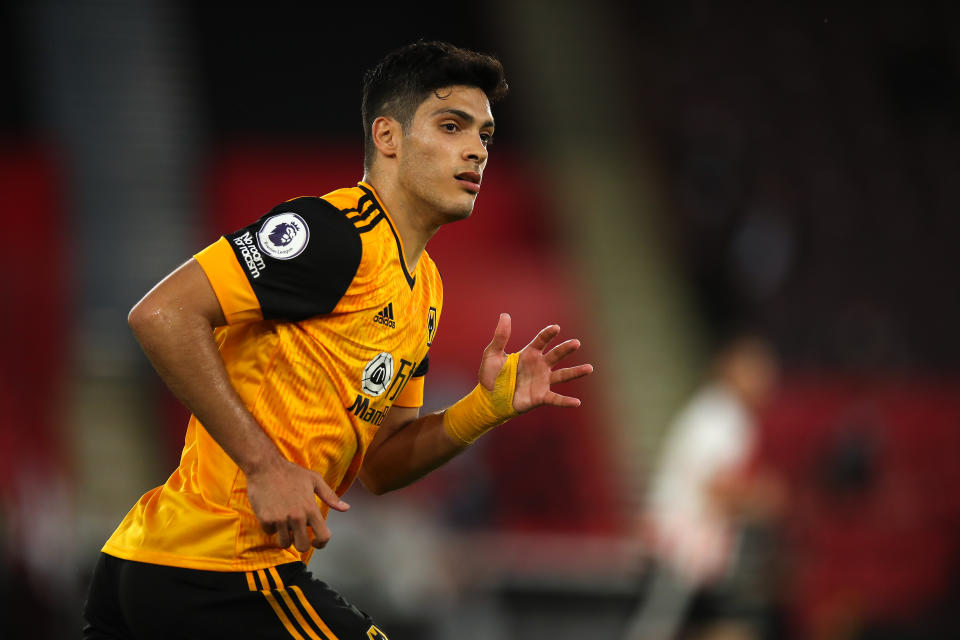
414, 225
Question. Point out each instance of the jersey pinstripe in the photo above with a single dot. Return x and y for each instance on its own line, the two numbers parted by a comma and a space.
310, 350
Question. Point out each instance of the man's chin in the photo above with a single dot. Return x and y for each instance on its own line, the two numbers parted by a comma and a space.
460, 215
453, 214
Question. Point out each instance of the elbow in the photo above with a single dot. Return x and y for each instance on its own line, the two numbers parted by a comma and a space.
374, 484
138, 318
376, 489
149, 321
143, 318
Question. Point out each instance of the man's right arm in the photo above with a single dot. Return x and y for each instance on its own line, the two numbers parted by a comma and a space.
174, 324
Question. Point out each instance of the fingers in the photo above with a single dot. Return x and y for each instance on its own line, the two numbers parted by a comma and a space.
301, 523
328, 495
284, 539
561, 351
295, 530
501, 335
570, 373
288, 531
542, 339
301, 538
321, 534
557, 400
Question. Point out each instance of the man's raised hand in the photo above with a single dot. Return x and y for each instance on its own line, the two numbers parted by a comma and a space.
535, 367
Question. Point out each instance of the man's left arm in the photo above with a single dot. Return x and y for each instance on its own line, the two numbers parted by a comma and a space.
408, 446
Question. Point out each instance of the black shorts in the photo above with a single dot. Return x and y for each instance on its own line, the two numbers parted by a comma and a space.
143, 601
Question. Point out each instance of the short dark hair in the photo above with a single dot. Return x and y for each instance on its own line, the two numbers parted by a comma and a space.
400, 82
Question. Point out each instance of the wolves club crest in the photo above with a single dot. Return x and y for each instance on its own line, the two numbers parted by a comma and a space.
431, 325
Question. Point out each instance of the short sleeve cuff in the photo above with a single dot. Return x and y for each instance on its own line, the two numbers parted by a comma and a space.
237, 299
412, 394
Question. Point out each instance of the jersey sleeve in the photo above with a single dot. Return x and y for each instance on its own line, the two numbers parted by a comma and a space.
412, 394
296, 262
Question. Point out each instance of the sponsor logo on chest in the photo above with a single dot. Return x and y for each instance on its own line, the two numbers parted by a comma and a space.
380, 379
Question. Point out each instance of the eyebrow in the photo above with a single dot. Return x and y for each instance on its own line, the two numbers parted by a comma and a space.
466, 117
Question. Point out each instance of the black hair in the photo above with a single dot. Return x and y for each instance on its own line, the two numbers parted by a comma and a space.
404, 78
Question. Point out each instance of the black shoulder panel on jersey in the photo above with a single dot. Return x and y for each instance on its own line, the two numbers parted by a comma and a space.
300, 258
423, 367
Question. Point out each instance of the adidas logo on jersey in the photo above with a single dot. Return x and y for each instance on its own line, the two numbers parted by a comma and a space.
385, 317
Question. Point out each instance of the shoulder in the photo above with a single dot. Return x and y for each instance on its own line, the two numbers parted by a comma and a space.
357, 205
313, 210
290, 228
362, 210
300, 257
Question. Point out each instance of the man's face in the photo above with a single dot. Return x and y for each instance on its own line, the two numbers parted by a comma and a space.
444, 151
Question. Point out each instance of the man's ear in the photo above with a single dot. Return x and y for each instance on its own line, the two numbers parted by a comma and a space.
386, 135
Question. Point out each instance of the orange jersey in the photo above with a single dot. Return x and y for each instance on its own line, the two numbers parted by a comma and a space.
326, 330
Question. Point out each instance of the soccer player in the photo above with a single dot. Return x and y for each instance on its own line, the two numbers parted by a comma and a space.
300, 345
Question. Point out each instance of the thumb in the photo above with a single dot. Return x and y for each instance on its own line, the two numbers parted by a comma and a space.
501, 335
328, 495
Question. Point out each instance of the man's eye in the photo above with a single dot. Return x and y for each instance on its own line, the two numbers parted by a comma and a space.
449, 126
486, 139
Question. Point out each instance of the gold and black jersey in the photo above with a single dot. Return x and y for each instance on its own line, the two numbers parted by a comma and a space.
327, 328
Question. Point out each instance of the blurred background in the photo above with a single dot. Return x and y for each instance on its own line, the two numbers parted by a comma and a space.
671, 181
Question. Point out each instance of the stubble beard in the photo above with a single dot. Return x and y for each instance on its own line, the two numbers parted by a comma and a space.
446, 204
447, 208
458, 212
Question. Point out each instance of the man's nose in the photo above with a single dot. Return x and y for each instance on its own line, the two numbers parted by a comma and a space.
476, 151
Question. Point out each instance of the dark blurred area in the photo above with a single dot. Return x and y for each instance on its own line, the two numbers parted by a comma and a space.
806, 165
808, 151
